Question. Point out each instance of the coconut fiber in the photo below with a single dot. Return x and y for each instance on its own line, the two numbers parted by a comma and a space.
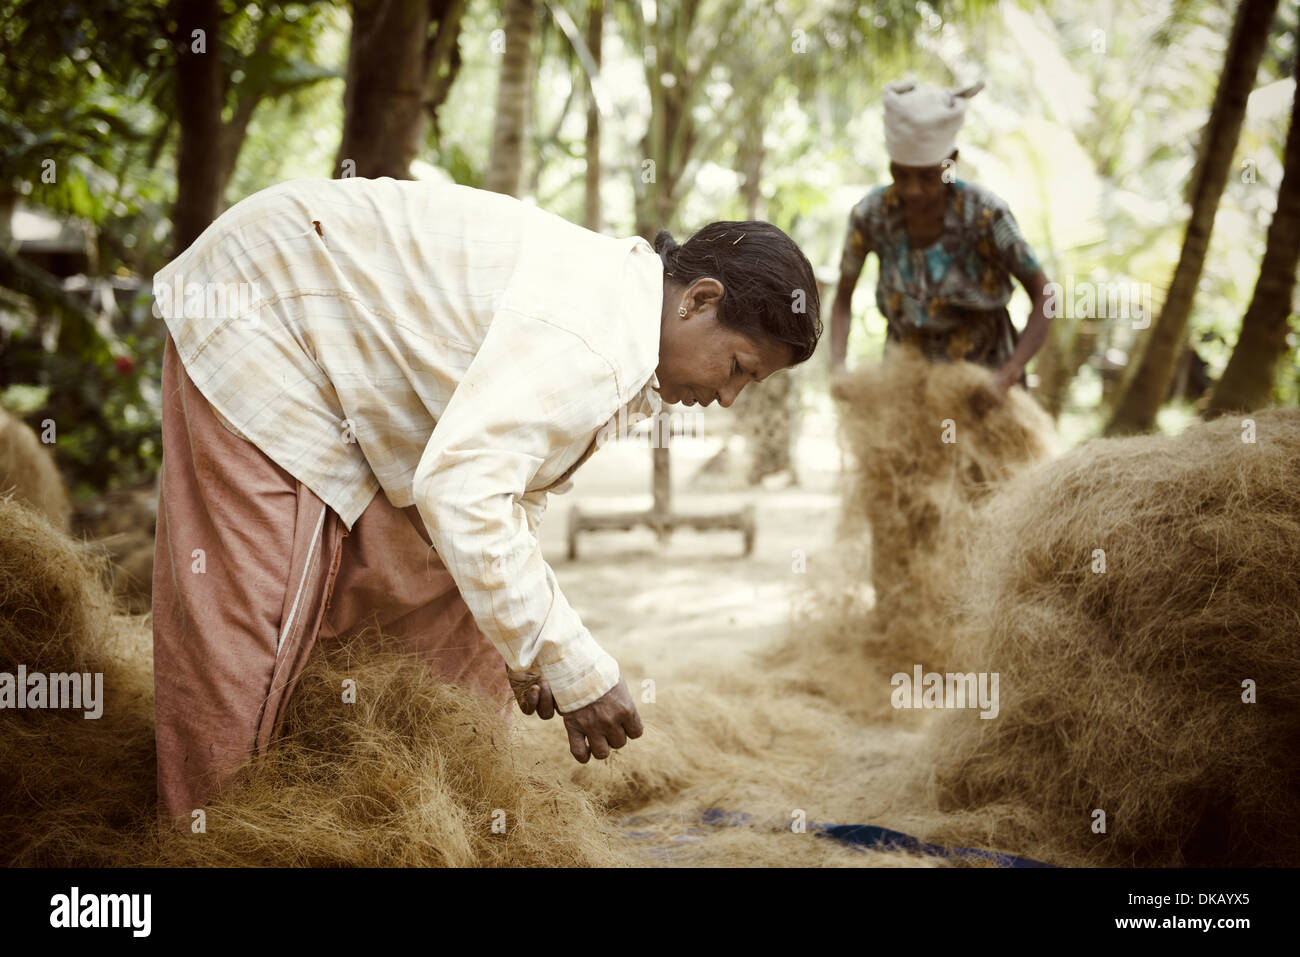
1140, 599
27, 471
928, 444
73, 790
414, 772
1121, 691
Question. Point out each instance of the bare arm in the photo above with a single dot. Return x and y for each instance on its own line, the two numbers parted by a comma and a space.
841, 317
1034, 336
857, 244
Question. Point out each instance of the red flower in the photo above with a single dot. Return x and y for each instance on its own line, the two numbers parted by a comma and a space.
124, 364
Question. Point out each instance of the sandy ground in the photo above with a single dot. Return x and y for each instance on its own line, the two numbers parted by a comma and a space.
694, 604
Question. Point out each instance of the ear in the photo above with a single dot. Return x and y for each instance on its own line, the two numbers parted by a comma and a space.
704, 292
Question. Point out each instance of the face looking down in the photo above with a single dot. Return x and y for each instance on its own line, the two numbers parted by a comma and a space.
700, 359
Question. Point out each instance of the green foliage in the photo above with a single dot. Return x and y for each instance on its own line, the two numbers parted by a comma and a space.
102, 399
1087, 126
86, 129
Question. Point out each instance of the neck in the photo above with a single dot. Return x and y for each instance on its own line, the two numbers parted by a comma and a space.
672, 299
924, 222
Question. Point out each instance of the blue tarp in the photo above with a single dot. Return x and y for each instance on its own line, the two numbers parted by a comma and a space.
882, 839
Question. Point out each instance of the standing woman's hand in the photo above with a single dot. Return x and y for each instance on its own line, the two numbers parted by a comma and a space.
987, 398
1004, 379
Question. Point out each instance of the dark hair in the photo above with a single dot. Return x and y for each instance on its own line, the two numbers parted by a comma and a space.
763, 274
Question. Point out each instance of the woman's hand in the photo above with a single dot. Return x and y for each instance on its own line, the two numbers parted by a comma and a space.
604, 724
1005, 378
988, 397
532, 692
594, 730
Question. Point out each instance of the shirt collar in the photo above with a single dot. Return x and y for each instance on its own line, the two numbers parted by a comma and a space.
953, 205
647, 401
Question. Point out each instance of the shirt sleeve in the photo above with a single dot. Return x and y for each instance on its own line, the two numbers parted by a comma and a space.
532, 387
1010, 247
534, 504
857, 243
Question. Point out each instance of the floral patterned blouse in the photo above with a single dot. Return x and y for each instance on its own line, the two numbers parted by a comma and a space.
950, 298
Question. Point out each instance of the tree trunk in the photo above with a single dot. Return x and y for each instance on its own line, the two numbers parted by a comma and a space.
657, 199
383, 103
8, 200
200, 95
595, 30
670, 135
506, 166
1247, 383
752, 165
1148, 383
443, 57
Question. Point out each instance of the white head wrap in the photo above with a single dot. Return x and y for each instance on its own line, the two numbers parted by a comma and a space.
921, 121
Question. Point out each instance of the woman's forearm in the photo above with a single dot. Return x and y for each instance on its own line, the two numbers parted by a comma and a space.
1035, 334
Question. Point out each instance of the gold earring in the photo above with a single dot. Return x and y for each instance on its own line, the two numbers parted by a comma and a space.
681, 311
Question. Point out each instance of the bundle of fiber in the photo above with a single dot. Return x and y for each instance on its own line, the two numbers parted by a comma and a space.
1140, 602
414, 772
930, 443
27, 471
77, 774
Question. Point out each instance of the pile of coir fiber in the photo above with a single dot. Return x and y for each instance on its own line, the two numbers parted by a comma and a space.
1130, 595
29, 475
73, 790
412, 773
27, 471
929, 445
416, 772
